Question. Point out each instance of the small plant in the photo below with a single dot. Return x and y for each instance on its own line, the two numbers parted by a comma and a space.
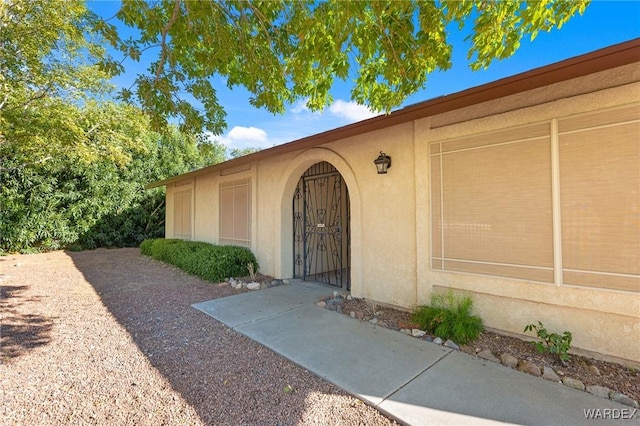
449, 317
252, 272
553, 343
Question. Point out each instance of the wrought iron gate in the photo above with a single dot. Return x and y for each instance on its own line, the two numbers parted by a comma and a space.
321, 227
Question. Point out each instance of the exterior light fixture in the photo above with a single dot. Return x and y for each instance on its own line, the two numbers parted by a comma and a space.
383, 162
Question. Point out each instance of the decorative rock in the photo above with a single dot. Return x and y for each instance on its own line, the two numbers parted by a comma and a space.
339, 309
489, 356
237, 285
573, 383
349, 297
428, 338
405, 331
374, 321
321, 303
600, 391
594, 370
549, 374
285, 281
223, 284
623, 399
437, 341
382, 324
417, 333
468, 350
352, 314
509, 360
253, 286
452, 345
359, 315
530, 368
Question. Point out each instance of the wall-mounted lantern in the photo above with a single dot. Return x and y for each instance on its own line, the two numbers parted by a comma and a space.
383, 162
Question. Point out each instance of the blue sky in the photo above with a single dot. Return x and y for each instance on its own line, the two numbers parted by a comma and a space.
604, 23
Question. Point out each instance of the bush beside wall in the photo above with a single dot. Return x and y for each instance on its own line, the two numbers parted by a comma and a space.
208, 261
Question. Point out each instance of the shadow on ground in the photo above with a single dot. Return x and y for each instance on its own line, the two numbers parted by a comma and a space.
20, 332
226, 377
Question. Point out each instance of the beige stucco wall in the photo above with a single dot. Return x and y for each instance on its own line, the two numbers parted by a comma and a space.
390, 219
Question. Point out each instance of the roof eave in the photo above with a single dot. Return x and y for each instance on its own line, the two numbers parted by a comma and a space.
579, 66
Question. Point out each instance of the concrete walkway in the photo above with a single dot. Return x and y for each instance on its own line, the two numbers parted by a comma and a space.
411, 380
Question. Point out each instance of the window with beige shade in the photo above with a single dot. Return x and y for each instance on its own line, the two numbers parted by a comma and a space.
182, 214
493, 208
235, 212
600, 198
491, 197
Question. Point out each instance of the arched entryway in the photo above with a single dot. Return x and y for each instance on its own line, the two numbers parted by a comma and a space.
321, 234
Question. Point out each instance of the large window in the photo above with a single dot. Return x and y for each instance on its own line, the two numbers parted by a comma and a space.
600, 193
235, 212
491, 199
493, 209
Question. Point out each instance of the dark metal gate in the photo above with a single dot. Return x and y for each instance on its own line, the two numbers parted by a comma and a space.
321, 243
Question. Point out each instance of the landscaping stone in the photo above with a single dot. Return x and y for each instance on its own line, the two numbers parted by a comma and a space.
451, 344
508, 360
530, 368
437, 341
224, 284
253, 286
417, 333
359, 315
428, 338
600, 391
321, 303
405, 331
374, 321
489, 356
468, 350
352, 314
594, 370
623, 399
573, 383
549, 374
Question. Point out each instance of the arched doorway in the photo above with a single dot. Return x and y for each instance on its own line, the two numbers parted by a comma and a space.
321, 235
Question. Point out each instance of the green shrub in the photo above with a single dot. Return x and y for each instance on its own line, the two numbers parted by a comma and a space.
207, 261
553, 343
449, 317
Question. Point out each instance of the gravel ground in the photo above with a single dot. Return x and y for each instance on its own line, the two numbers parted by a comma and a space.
110, 337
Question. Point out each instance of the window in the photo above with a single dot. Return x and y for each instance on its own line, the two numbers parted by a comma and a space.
182, 215
235, 213
492, 201
600, 199
491, 204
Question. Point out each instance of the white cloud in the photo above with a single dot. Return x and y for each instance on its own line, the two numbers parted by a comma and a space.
351, 111
300, 106
245, 137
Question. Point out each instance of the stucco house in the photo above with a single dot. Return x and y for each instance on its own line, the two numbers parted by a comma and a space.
523, 193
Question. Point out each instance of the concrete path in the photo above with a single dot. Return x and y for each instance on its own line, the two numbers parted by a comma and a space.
411, 380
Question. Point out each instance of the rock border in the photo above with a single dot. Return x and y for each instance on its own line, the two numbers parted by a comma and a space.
239, 284
335, 302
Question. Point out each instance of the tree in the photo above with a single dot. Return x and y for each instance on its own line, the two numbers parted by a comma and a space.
285, 51
48, 68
